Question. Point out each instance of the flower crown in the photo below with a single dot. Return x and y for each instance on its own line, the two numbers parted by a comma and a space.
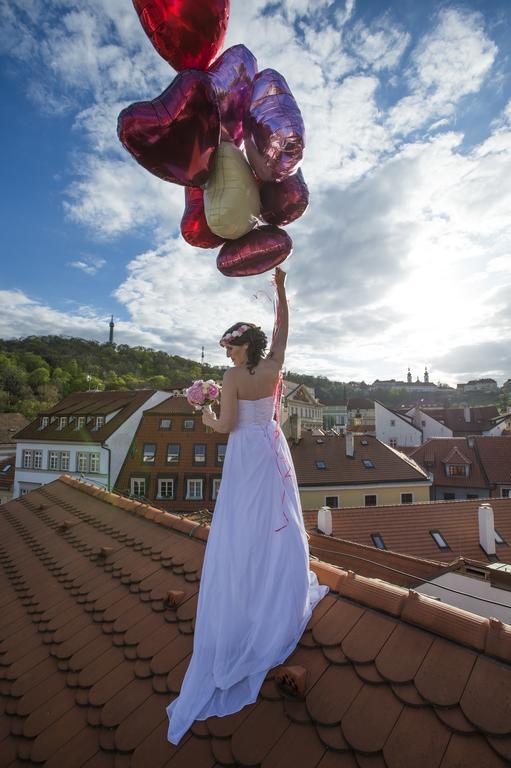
228, 337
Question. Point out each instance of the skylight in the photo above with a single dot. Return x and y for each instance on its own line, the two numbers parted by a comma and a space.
320, 464
9, 466
498, 537
378, 541
439, 540
368, 463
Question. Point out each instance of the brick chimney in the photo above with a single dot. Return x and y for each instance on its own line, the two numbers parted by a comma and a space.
350, 444
487, 528
325, 520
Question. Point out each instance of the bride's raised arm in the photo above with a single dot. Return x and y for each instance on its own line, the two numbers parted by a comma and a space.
280, 331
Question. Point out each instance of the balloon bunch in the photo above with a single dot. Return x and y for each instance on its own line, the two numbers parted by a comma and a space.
232, 136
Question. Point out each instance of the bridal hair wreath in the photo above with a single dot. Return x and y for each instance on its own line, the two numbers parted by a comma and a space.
247, 333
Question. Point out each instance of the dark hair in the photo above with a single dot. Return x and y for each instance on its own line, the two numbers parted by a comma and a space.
254, 337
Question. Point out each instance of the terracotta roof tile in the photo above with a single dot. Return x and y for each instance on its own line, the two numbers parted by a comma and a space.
495, 456
93, 646
10, 423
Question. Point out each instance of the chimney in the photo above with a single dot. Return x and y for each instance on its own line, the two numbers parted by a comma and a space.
487, 529
325, 520
350, 444
466, 413
295, 427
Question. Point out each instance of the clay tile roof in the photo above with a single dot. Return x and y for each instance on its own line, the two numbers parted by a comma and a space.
389, 465
99, 596
173, 405
454, 418
406, 528
356, 403
495, 456
10, 423
439, 451
93, 404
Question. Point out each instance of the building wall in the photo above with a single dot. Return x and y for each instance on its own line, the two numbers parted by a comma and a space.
149, 432
391, 427
459, 493
353, 496
26, 478
430, 427
121, 439
335, 415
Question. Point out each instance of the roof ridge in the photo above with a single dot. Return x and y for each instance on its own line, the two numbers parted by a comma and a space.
490, 636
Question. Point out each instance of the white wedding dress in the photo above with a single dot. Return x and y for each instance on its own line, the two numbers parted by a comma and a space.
256, 592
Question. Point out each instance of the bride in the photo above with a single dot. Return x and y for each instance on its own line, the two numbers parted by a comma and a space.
256, 591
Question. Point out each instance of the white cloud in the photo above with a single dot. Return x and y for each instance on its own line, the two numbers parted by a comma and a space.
381, 44
88, 264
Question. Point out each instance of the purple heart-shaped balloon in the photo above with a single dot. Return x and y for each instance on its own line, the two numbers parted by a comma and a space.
175, 135
274, 129
254, 253
232, 74
285, 201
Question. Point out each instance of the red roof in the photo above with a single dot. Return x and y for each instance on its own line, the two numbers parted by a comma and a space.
125, 403
405, 528
10, 423
7, 467
435, 454
454, 418
495, 455
99, 597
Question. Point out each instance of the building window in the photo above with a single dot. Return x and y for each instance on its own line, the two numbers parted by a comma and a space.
439, 540
423, 423
64, 460
498, 538
320, 464
215, 488
199, 453
82, 462
44, 422
472, 495
378, 541
194, 489
505, 493
166, 424
449, 496
62, 422
392, 422
370, 500
457, 470
149, 453
80, 422
173, 453
407, 498
220, 452
94, 462
38, 459
332, 502
137, 486
53, 460
27, 458
393, 442
100, 422
166, 488
368, 463
188, 424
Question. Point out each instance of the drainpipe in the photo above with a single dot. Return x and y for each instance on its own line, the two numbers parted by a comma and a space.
103, 445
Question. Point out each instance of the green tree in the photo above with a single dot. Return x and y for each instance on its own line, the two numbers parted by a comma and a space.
39, 376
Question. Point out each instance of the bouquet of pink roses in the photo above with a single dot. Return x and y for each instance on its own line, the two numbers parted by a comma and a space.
202, 394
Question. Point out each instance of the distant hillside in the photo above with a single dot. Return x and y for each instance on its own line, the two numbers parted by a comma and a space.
37, 371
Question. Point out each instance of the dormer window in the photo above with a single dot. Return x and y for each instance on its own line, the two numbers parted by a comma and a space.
62, 422
80, 422
456, 470
45, 421
100, 422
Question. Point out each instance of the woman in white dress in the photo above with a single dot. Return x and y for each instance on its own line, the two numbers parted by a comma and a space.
256, 591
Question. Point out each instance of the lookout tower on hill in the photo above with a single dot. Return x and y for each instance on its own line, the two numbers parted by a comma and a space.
112, 326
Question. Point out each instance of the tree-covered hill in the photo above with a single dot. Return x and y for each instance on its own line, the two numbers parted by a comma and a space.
37, 371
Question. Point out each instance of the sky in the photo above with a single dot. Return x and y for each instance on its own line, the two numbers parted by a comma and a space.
403, 258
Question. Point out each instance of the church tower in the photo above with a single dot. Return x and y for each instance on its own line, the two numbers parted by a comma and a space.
112, 325
409, 377
426, 376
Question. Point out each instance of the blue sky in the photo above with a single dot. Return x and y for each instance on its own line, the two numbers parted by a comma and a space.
404, 257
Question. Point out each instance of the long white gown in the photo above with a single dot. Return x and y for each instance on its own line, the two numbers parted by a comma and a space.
256, 591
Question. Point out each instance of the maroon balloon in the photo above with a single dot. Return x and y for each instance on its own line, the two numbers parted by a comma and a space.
187, 33
254, 253
194, 226
285, 201
232, 74
274, 130
175, 135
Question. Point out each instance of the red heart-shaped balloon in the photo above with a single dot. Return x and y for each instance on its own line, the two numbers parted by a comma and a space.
254, 253
175, 135
194, 226
232, 74
284, 201
187, 33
